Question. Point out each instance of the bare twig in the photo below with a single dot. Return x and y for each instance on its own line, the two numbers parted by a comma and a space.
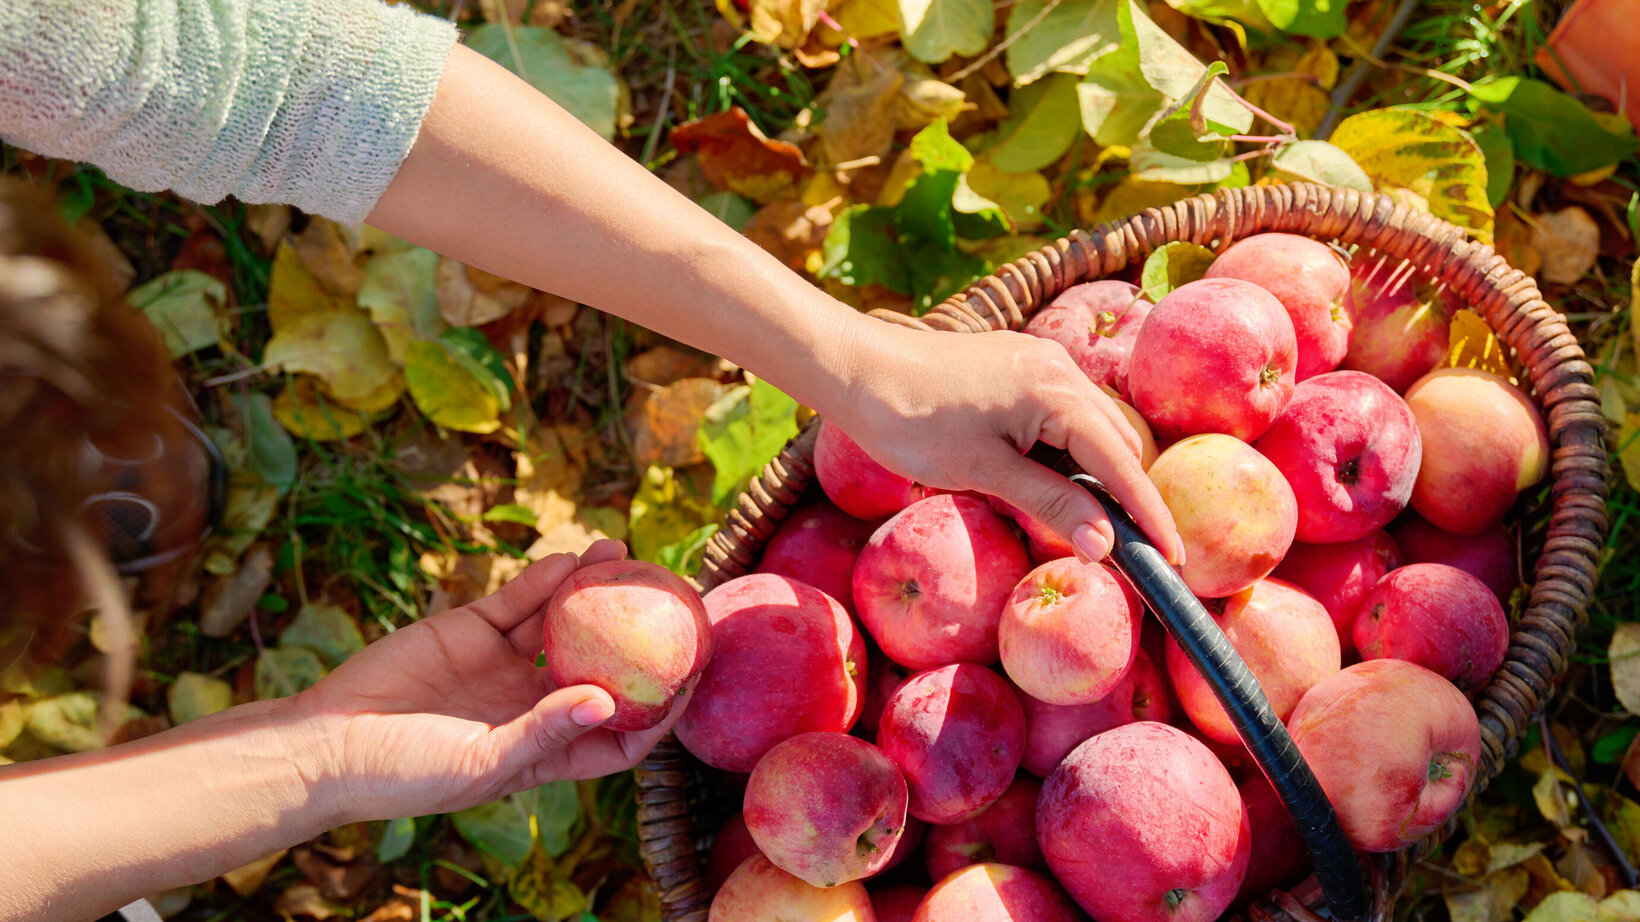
1352, 81
102, 584
665, 106
1558, 758
1002, 46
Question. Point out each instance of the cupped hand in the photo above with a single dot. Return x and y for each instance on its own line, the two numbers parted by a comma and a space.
957, 412
451, 711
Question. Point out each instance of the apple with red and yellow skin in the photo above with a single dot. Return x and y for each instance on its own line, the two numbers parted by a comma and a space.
1234, 510
1286, 638
1097, 323
732, 845
1069, 632
1350, 450
788, 660
1052, 731
1395, 746
996, 893
1484, 442
1490, 556
883, 677
898, 903
760, 892
1278, 858
634, 629
1402, 320
1340, 575
1005, 832
827, 807
818, 545
855, 481
931, 582
957, 733
1041, 541
1310, 279
1141, 823
1438, 617
1215, 355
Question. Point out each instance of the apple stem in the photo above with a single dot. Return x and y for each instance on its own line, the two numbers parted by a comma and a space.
1176, 896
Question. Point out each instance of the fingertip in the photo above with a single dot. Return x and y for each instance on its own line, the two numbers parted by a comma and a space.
1092, 542
593, 710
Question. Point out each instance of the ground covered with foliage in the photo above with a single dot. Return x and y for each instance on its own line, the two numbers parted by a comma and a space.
405, 433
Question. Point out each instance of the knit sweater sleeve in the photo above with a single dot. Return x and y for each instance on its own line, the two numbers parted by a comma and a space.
312, 103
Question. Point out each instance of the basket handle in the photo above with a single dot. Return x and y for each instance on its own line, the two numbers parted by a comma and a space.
1201, 639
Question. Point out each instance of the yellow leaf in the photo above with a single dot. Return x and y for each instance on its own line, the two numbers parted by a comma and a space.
1565, 907
469, 297
346, 352
546, 894
1634, 308
1628, 449
248, 510
1301, 99
1624, 655
1472, 344
1554, 798
1020, 196
1622, 906
331, 253
301, 409
12, 720
194, 695
784, 22
1493, 901
245, 880
665, 510
447, 392
399, 292
1130, 196
293, 292
1414, 151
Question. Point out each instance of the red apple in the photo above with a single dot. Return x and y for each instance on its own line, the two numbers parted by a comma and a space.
855, 481
1142, 824
1402, 320
1052, 731
996, 893
1484, 442
1278, 856
634, 629
1234, 510
1043, 542
1490, 556
1285, 636
931, 582
827, 807
883, 676
957, 732
1395, 746
898, 903
1097, 323
1215, 355
788, 660
818, 545
1349, 448
1340, 575
910, 840
1005, 832
757, 886
732, 845
1310, 279
1438, 617
1069, 632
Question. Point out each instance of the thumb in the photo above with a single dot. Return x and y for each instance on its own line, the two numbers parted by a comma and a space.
547, 730
1053, 500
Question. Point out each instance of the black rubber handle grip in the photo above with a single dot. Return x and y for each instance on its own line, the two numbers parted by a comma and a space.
1199, 636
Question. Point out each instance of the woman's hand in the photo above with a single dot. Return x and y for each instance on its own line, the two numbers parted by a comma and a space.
451, 711
957, 411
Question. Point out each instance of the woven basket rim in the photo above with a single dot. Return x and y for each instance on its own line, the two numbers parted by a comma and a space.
1561, 386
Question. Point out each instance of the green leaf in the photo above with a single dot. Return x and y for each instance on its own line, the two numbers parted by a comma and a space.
1405, 149
1173, 265
325, 629
69, 721
511, 512
990, 194
861, 249
396, 839
1185, 132
501, 828
1150, 164
448, 392
570, 73
271, 454
684, 557
1041, 124
937, 274
1551, 130
1315, 18
186, 306
557, 810
13, 718
1499, 152
282, 671
1176, 74
935, 150
1221, 11
666, 511
730, 208
1068, 38
399, 291
1319, 161
473, 351
924, 212
933, 30
1116, 102
1609, 749
741, 432
194, 695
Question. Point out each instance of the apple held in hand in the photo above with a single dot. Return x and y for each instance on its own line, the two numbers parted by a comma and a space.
957, 733
855, 481
996, 893
787, 660
1484, 442
1350, 449
827, 807
1234, 510
1052, 730
634, 629
1340, 575
1402, 320
1142, 824
1069, 632
1438, 617
760, 892
1097, 323
1310, 280
1215, 355
1004, 832
1395, 746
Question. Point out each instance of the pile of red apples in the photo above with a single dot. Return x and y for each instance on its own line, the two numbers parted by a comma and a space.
939, 713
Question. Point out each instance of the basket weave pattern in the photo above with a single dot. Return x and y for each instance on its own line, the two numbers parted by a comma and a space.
1557, 373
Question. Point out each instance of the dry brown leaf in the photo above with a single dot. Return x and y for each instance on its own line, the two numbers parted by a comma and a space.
663, 427
469, 297
333, 258
1569, 240
786, 23
397, 909
663, 365
1493, 901
737, 156
229, 600
1514, 241
340, 880
304, 901
268, 222
789, 230
247, 879
860, 102
106, 253
1624, 655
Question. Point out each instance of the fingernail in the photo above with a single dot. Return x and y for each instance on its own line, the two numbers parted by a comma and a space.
1088, 543
591, 712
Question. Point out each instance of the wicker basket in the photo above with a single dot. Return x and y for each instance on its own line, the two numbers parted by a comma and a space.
1571, 526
